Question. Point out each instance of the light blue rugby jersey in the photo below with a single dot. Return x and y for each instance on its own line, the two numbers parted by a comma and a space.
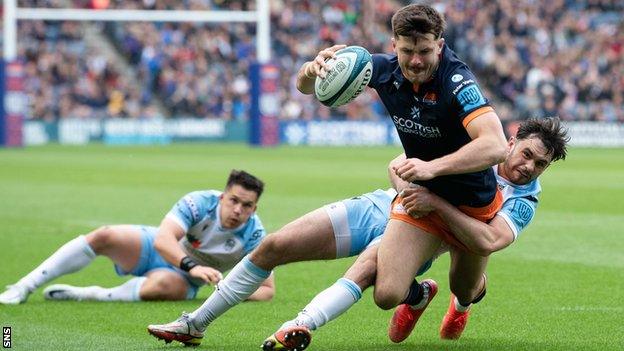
519, 202
206, 241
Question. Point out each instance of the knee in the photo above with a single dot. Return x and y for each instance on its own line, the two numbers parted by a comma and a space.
387, 298
268, 253
161, 288
101, 238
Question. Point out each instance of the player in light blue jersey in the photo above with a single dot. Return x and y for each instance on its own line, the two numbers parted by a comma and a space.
537, 144
340, 229
205, 234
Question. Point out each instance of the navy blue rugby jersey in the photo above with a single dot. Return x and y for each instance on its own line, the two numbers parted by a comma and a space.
431, 121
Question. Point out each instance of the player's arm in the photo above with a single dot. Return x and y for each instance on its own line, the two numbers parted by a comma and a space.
397, 183
310, 70
265, 292
166, 243
480, 238
487, 148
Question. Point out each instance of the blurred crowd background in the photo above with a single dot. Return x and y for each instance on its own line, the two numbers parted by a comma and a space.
532, 58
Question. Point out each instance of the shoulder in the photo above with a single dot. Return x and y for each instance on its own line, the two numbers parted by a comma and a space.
454, 75
384, 66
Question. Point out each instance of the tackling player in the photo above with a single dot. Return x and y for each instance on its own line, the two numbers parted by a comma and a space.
205, 233
537, 144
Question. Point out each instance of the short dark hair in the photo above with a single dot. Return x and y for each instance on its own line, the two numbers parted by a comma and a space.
246, 180
416, 21
550, 131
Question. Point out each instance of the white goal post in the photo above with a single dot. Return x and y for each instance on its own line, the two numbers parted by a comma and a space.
261, 17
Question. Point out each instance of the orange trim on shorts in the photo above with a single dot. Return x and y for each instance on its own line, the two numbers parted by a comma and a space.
433, 224
476, 113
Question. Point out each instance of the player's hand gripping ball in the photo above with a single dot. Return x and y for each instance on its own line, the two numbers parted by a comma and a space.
350, 72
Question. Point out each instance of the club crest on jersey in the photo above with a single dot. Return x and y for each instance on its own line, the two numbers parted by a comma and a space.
430, 98
229, 244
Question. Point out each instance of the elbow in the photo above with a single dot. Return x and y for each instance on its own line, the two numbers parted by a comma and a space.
500, 153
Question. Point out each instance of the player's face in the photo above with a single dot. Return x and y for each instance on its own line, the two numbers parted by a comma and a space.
418, 58
237, 205
527, 160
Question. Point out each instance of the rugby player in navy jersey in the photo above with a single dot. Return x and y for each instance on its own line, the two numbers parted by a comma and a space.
451, 137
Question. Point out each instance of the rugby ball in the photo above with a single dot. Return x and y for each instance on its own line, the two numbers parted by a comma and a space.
349, 73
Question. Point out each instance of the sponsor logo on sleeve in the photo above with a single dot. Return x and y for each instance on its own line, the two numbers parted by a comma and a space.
524, 211
470, 98
456, 78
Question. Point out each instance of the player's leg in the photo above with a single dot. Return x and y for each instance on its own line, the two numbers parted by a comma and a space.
327, 305
467, 282
309, 237
131, 249
71, 257
404, 249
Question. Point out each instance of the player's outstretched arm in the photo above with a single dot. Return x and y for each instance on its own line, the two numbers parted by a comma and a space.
310, 70
480, 238
265, 292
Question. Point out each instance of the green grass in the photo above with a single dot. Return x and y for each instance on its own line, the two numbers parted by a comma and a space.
558, 288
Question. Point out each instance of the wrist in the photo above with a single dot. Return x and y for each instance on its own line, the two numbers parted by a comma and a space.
187, 263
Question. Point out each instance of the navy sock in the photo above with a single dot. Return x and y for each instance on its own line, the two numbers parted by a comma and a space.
415, 294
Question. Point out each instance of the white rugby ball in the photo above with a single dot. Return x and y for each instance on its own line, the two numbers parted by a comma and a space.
349, 73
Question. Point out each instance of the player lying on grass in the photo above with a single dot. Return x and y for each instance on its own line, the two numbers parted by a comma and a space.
536, 145
340, 229
204, 234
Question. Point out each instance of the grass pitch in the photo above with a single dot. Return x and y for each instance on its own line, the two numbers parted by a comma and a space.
558, 288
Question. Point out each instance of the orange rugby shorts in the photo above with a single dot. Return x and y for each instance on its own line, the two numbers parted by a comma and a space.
433, 224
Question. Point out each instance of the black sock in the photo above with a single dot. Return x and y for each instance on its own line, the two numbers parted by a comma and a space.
415, 294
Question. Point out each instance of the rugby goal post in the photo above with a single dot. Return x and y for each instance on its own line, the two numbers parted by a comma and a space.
12, 96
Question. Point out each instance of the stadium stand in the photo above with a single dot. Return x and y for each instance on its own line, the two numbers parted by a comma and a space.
559, 57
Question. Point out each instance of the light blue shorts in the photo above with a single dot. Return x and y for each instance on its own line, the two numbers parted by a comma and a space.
151, 260
358, 224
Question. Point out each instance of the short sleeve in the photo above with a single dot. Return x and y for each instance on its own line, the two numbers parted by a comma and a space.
518, 213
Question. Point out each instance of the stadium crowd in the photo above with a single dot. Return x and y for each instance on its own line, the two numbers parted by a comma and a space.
559, 57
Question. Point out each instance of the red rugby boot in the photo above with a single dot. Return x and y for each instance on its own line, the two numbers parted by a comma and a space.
405, 316
454, 322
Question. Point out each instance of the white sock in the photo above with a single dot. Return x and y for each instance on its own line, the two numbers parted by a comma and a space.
128, 291
238, 285
328, 304
71, 257
459, 307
